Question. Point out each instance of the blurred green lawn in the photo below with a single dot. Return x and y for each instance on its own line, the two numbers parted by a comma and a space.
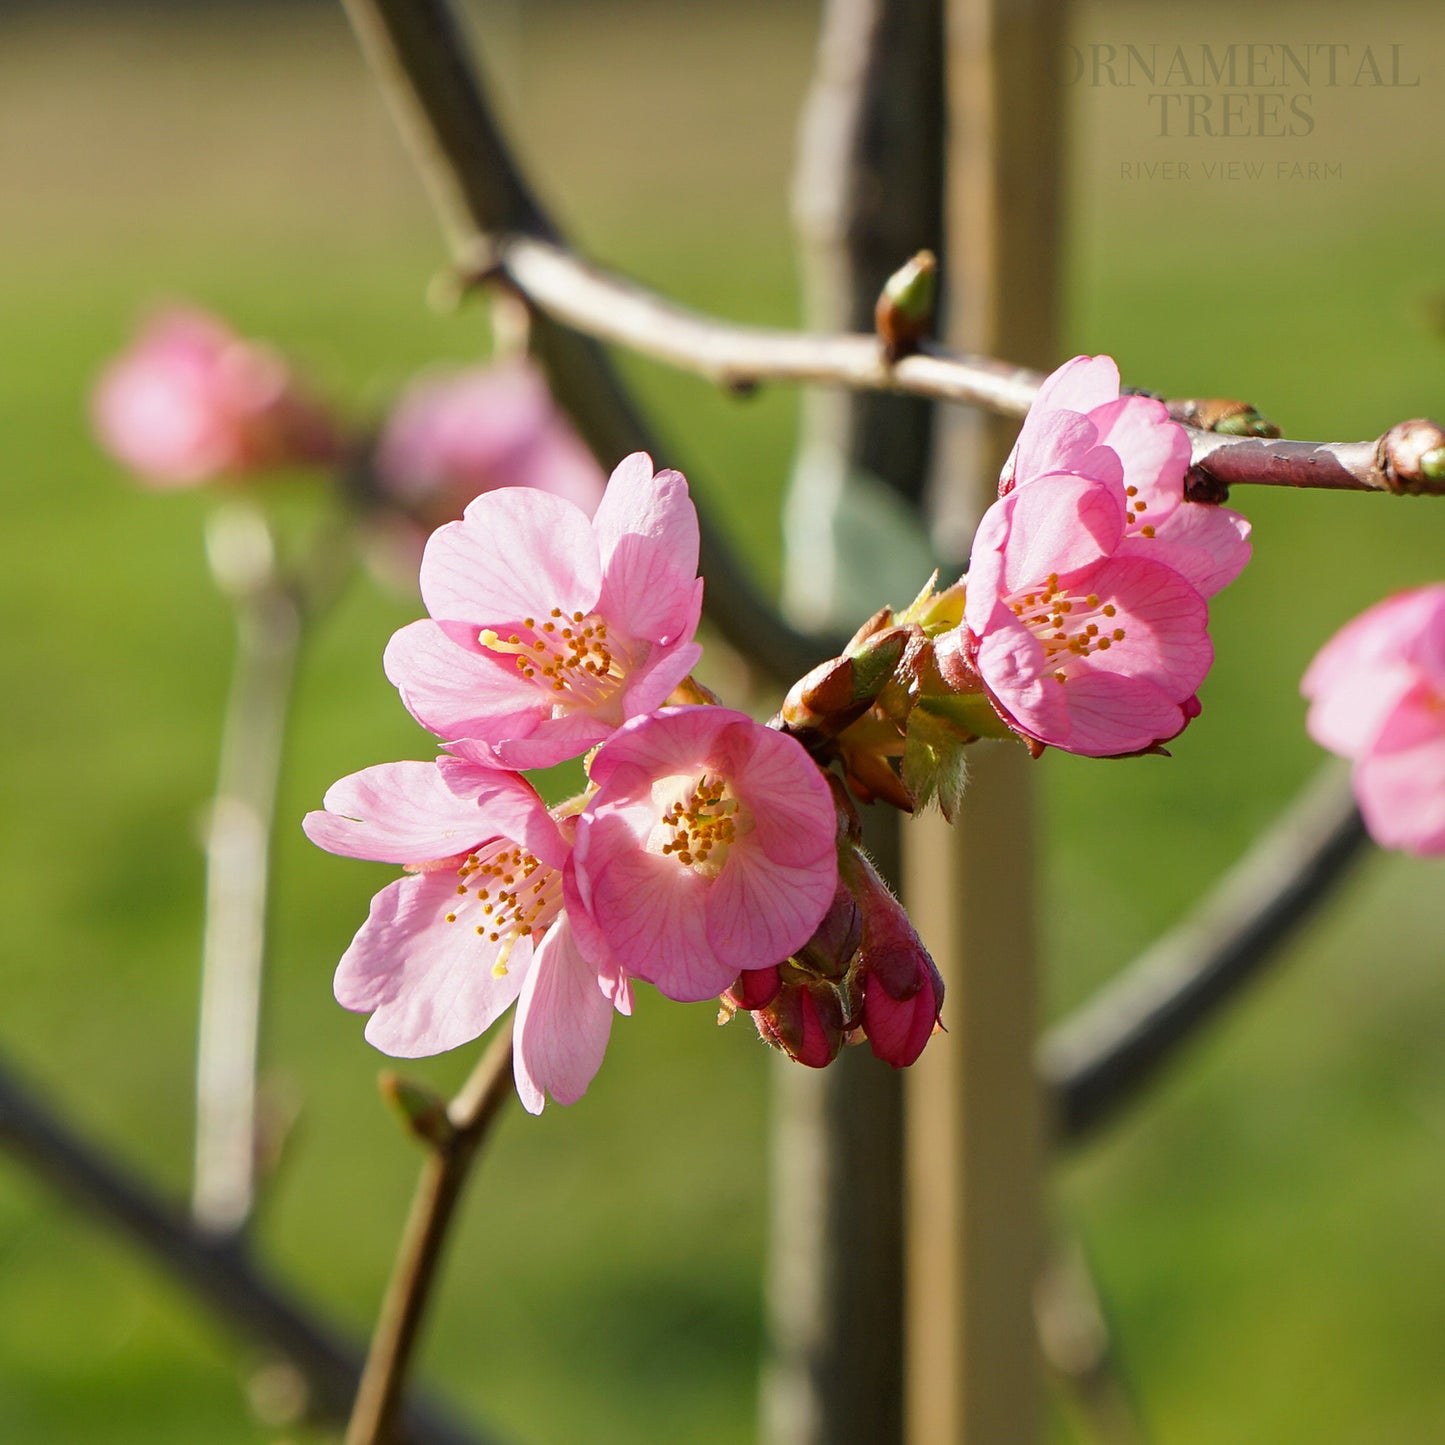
1267, 1227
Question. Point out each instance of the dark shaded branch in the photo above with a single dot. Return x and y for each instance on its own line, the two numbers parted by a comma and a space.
1100, 1059
422, 64
453, 1149
215, 1271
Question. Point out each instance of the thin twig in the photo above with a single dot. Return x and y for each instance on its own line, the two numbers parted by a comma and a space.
393, 1343
218, 1273
599, 303
1100, 1059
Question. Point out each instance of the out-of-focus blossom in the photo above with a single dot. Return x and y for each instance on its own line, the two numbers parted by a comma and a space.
477, 923
708, 848
191, 401
548, 629
1377, 696
452, 436
1085, 615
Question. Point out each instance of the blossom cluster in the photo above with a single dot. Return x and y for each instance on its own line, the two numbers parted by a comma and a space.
702, 857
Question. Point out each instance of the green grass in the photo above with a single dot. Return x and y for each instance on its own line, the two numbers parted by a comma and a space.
1264, 1227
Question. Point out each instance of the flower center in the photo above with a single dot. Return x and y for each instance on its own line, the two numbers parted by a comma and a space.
506, 894
571, 658
699, 827
1071, 625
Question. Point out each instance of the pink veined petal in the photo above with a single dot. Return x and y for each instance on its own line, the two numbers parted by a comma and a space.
1055, 441
651, 911
563, 1023
516, 553
653, 683
457, 692
1110, 715
1165, 622
1011, 662
397, 813
759, 912
647, 538
1080, 384
428, 984
1208, 546
508, 806
1059, 524
688, 739
985, 566
794, 819
553, 741
1153, 449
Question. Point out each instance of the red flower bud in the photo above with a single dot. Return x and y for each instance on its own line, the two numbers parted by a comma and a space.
807, 1021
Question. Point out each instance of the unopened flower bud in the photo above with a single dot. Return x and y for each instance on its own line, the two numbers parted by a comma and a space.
1412, 454
831, 948
423, 1111
808, 1021
904, 313
755, 988
902, 988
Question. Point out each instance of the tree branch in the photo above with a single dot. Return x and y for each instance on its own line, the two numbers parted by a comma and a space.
216, 1271
454, 1143
421, 64
1101, 1058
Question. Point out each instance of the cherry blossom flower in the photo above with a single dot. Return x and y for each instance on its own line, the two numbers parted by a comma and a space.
191, 401
1079, 424
475, 925
1081, 645
1085, 615
1377, 697
549, 630
708, 848
452, 436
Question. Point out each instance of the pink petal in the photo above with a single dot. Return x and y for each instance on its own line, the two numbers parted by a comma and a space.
397, 813
794, 818
653, 683
508, 806
1011, 662
1059, 524
563, 1023
1206, 545
647, 537
1164, 620
1080, 384
517, 553
651, 910
455, 691
428, 984
1153, 449
758, 913
1111, 715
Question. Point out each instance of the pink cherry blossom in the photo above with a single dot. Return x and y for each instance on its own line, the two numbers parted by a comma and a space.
191, 401
1377, 697
708, 848
1082, 643
1079, 424
476, 924
452, 436
549, 630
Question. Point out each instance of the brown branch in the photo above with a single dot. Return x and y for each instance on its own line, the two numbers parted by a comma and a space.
215, 1271
453, 1147
578, 294
1101, 1058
